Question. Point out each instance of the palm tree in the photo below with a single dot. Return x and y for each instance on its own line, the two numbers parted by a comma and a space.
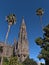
11, 19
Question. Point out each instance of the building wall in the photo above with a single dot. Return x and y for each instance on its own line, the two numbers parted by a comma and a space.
5, 51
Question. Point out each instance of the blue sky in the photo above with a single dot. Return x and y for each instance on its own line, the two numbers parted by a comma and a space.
26, 8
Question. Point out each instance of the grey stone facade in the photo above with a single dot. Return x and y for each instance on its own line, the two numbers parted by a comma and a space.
20, 47
5, 51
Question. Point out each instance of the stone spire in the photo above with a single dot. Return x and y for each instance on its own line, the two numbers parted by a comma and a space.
23, 33
23, 51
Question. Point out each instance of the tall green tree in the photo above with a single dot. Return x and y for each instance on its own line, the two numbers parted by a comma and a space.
5, 61
42, 64
14, 61
29, 61
11, 61
44, 45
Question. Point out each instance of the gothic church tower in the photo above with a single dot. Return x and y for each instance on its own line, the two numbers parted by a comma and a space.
22, 45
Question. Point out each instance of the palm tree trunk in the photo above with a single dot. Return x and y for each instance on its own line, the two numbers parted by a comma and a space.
1, 60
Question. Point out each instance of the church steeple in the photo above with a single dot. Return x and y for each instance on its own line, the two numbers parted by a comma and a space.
23, 42
23, 33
